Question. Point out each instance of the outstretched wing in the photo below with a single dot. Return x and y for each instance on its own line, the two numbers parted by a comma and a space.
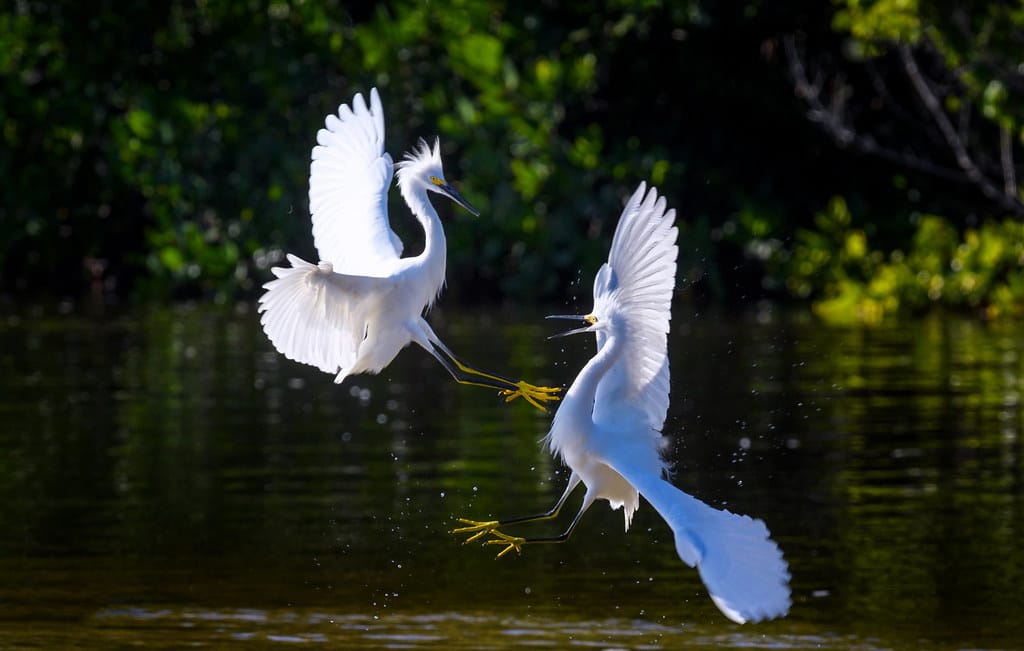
635, 287
349, 179
316, 316
741, 566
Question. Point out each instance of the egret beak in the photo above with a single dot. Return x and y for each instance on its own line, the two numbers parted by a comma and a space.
449, 190
589, 318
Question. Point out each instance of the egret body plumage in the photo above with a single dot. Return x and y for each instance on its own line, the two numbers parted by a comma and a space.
608, 428
363, 302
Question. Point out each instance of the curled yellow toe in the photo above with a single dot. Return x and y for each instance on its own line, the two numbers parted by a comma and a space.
478, 529
532, 394
510, 542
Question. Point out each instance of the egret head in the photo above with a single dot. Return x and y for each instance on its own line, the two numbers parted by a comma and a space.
422, 168
593, 323
605, 305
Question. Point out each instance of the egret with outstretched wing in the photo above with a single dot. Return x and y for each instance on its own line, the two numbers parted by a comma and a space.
363, 302
608, 427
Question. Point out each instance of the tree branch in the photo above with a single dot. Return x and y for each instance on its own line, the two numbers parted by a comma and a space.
996, 177
832, 120
1007, 200
1006, 158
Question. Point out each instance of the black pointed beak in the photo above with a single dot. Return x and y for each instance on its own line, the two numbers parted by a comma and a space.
457, 197
589, 319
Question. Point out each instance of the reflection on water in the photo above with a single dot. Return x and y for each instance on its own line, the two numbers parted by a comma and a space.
167, 479
451, 630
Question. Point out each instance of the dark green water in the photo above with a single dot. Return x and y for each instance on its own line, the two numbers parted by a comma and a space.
167, 480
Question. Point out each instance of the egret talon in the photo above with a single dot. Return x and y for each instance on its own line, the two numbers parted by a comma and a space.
532, 394
478, 529
511, 542
477, 536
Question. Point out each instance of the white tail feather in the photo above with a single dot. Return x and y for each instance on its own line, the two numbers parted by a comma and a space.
741, 566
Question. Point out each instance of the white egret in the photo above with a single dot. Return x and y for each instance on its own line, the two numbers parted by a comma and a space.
608, 427
363, 302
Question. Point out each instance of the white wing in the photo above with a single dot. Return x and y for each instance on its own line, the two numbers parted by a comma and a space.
349, 179
741, 566
316, 316
635, 286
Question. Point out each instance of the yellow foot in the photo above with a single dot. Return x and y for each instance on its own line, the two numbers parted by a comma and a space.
510, 542
532, 394
478, 529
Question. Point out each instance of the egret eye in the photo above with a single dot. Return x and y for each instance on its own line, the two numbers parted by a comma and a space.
436, 181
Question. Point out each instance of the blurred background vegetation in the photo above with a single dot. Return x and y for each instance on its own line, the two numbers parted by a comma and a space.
861, 156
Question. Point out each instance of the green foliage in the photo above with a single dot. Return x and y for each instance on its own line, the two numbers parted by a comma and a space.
176, 137
973, 49
163, 149
140, 139
874, 22
981, 271
978, 43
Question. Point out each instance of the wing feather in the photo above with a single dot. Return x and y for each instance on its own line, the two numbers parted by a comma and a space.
636, 286
314, 316
349, 178
741, 566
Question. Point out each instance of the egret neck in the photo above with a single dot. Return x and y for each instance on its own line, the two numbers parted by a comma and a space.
576, 413
434, 256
